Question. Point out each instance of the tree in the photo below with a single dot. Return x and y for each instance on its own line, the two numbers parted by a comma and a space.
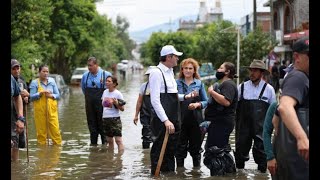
30, 27
182, 41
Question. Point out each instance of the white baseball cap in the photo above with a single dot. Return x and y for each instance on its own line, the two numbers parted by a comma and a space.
169, 49
149, 70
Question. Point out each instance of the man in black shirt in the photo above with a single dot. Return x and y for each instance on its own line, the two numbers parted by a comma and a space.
292, 141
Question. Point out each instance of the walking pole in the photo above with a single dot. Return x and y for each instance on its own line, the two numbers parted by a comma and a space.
163, 149
47, 115
25, 107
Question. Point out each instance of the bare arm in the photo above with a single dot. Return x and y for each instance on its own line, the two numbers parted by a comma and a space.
18, 105
116, 103
290, 119
19, 108
138, 107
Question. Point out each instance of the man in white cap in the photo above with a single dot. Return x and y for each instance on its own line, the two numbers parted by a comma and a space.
143, 107
255, 96
164, 100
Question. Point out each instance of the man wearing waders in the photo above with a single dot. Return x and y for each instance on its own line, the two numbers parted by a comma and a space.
143, 107
93, 85
292, 140
255, 96
164, 100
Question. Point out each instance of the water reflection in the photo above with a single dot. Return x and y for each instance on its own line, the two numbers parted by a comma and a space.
75, 159
47, 159
111, 168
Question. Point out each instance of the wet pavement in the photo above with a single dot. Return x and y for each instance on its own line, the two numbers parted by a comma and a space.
75, 159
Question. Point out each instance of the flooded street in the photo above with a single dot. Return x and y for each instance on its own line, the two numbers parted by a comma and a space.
75, 159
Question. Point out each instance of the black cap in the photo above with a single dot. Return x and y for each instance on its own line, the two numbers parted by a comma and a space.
14, 63
301, 45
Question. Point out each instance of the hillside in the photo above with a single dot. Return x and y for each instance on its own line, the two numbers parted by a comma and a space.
143, 35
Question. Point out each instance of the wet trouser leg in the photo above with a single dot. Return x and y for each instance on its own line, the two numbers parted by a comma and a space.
243, 146
22, 139
92, 120
92, 124
170, 104
94, 111
258, 153
290, 164
168, 163
182, 147
53, 127
195, 142
146, 131
217, 155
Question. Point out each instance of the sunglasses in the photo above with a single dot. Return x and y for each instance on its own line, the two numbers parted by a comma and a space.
93, 84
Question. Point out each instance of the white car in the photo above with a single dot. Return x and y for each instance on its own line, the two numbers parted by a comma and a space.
77, 75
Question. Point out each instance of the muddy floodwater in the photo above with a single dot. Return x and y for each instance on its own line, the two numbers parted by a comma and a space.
75, 159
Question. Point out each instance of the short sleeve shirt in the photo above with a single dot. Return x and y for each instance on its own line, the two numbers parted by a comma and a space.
296, 85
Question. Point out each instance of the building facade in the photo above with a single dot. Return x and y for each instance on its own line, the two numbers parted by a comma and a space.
263, 21
205, 16
290, 22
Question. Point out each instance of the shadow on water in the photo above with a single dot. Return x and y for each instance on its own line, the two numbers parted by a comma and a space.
75, 159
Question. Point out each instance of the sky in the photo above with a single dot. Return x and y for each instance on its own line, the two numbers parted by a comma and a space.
142, 14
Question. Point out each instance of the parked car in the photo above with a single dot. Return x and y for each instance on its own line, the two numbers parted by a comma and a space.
77, 75
207, 73
62, 86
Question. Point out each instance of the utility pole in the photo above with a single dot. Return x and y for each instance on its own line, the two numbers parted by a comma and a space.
254, 15
271, 19
238, 54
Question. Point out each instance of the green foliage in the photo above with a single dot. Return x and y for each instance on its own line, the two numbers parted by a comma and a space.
216, 43
30, 19
182, 41
63, 34
27, 53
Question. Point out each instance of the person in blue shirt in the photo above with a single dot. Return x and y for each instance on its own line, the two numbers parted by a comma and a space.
93, 83
17, 122
16, 73
190, 135
44, 95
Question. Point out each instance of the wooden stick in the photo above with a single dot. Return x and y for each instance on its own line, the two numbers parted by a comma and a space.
27, 141
163, 149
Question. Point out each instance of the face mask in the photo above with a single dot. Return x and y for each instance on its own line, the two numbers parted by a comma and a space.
219, 75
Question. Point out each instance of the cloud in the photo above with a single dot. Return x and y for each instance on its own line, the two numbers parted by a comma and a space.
142, 14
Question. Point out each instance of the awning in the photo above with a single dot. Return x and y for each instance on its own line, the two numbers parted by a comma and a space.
296, 35
283, 48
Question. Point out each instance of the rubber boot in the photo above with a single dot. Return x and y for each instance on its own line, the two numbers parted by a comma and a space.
262, 168
180, 162
103, 140
196, 161
145, 145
